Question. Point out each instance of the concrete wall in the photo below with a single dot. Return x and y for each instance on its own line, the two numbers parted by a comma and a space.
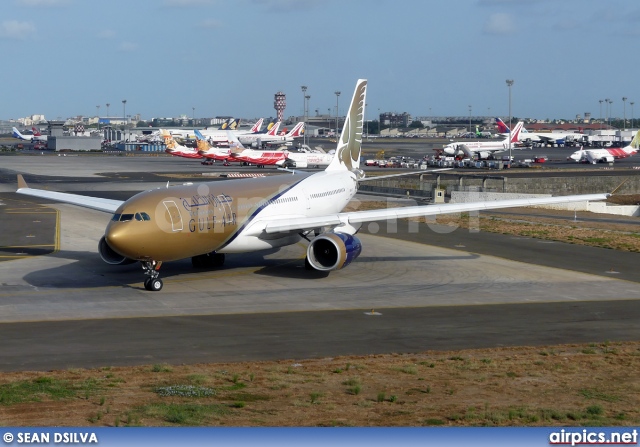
574, 184
594, 207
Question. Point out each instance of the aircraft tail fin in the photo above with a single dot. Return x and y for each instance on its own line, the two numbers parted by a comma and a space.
201, 141
257, 126
635, 143
16, 134
234, 124
515, 134
226, 124
297, 131
274, 130
349, 145
169, 141
36, 132
502, 127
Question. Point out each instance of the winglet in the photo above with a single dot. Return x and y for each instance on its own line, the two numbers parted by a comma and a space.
21, 182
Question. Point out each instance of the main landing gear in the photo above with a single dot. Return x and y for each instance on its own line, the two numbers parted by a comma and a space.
153, 283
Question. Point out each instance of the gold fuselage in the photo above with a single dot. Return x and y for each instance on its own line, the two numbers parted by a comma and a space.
194, 219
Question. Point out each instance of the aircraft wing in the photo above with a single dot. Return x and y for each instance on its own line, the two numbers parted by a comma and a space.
358, 217
96, 203
545, 139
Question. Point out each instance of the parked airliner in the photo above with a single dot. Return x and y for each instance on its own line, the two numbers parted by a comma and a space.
608, 155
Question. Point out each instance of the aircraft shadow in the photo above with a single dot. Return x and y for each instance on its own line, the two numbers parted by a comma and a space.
87, 270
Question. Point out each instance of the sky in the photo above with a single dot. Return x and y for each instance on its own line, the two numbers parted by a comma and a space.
207, 58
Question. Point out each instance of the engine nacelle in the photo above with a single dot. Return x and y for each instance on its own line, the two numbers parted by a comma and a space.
109, 256
333, 251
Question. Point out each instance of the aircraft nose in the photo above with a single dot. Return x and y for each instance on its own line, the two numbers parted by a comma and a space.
120, 241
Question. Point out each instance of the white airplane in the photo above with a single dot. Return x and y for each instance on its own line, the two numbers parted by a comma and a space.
224, 138
594, 156
528, 138
481, 149
257, 140
16, 134
206, 220
230, 124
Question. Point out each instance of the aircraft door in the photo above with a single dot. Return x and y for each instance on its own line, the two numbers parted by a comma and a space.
174, 215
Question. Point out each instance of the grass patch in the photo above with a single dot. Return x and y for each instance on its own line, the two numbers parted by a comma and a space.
46, 387
183, 414
598, 395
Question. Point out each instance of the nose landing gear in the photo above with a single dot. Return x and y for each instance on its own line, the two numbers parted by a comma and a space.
153, 283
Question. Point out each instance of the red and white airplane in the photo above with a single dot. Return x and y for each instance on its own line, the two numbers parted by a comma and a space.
175, 148
257, 140
607, 155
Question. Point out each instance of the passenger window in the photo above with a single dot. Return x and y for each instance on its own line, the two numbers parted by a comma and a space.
126, 217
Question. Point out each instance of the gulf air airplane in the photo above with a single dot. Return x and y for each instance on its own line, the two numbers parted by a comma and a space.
205, 221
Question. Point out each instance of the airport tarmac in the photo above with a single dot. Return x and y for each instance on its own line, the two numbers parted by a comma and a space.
428, 290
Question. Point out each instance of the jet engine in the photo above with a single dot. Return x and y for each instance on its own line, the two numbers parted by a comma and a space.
109, 256
333, 251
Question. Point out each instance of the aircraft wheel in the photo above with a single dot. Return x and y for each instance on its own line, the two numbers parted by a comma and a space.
147, 284
155, 285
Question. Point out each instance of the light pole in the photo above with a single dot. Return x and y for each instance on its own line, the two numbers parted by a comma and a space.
469, 117
306, 118
193, 116
606, 111
509, 84
337, 111
624, 107
379, 122
108, 109
610, 102
124, 117
600, 101
632, 103
304, 108
98, 109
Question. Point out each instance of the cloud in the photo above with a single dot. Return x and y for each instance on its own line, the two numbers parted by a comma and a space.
12, 29
44, 3
128, 47
500, 23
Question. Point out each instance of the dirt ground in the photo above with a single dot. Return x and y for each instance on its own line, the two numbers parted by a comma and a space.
591, 384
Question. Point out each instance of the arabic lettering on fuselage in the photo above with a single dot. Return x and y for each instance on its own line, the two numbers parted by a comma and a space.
206, 200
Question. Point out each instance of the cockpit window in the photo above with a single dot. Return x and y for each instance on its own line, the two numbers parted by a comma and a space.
127, 217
